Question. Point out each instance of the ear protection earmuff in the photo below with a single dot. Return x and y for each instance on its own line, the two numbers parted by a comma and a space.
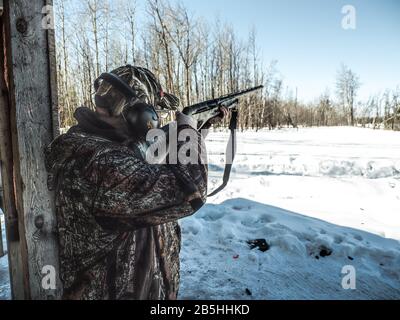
139, 116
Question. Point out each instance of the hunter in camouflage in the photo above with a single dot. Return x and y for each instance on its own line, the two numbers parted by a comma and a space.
117, 214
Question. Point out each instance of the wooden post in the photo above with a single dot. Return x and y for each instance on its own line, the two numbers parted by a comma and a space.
28, 123
1, 184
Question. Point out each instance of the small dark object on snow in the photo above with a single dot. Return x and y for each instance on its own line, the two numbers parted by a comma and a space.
351, 258
324, 251
248, 292
317, 257
261, 244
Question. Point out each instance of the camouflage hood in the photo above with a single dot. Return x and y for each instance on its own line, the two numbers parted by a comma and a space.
147, 87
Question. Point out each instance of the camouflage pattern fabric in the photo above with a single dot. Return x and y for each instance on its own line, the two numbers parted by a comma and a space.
117, 218
143, 81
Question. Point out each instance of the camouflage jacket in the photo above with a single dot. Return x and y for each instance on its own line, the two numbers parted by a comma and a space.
117, 218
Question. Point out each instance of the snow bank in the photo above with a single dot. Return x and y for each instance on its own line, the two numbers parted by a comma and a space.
304, 261
322, 198
340, 151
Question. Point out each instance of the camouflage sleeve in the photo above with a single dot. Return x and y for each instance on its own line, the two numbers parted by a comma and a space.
131, 193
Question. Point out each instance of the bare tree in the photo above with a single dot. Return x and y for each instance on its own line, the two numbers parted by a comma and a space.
157, 11
184, 39
347, 85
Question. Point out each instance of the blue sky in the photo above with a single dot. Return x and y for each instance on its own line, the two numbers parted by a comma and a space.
307, 39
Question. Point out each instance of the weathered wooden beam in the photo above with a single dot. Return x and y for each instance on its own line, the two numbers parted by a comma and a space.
17, 275
1, 189
31, 84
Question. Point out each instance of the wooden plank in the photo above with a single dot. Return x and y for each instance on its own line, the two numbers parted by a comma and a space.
32, 92
17, 275
1, 184
51, 47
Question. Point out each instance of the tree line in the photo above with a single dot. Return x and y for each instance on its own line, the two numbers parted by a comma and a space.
196, 60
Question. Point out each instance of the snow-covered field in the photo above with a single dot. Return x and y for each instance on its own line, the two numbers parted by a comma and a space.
322, 198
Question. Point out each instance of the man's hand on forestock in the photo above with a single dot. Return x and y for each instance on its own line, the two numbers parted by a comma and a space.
224, 112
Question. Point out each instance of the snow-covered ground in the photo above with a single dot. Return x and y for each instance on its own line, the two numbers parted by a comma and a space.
322, 198
4, 276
